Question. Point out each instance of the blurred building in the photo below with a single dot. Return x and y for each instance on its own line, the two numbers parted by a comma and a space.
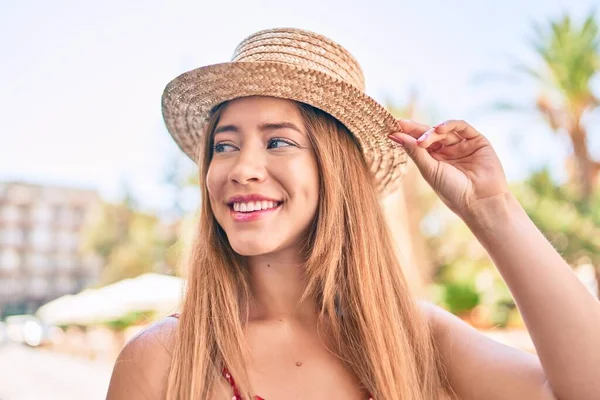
40, 241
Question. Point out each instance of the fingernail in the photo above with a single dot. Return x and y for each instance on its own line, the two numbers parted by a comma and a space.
397, 140
438, 125
423, 137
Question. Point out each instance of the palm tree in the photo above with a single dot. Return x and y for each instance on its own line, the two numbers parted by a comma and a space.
570, 58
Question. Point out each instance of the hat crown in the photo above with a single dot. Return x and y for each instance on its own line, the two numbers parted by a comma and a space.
303, 49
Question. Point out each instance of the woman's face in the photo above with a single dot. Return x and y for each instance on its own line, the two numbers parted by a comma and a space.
263, 180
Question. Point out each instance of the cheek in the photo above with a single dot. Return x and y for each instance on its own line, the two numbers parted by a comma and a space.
215, 179
311, 184
302, 177
312, 176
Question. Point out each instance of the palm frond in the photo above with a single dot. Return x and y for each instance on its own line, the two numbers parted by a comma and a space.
538, 75
494, 77
509, 106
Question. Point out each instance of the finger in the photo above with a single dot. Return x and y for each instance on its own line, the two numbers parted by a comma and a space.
432, 136
451, 152
435, 147
460, 127
425, 162
413, 128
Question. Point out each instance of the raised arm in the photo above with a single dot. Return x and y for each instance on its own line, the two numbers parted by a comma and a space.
561, 315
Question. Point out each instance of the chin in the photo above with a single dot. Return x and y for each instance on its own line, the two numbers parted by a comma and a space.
251, 248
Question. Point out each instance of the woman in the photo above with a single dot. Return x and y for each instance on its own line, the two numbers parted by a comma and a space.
294, 289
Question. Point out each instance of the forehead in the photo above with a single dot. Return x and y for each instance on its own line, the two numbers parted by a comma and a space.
258, 109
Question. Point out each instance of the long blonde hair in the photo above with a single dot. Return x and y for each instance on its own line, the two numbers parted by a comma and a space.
351, 270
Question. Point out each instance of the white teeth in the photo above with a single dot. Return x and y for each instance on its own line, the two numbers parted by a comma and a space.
254, 206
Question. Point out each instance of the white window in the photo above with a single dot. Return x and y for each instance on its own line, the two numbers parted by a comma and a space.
38, 261
42, 213
41, 237
10, 259
11, 213
12, 237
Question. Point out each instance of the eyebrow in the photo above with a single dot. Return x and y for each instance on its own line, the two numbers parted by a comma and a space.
263, 127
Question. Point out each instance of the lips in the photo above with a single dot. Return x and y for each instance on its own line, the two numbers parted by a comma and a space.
248, 216
250, 197
245, 208
254, 205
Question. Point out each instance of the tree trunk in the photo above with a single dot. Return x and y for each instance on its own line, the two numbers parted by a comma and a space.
598, 281
585, 166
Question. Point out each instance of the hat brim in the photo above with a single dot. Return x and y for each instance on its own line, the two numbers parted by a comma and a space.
188, 98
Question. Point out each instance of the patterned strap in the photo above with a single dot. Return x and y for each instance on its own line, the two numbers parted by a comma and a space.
227, 375
236, 392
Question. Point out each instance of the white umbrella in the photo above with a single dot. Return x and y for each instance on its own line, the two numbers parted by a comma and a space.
148, 292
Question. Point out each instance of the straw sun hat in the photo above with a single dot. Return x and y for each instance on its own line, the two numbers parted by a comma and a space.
292, 64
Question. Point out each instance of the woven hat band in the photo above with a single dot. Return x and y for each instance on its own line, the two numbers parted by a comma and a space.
294, 48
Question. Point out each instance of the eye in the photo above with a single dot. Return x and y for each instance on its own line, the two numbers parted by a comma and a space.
276, 143
223, 147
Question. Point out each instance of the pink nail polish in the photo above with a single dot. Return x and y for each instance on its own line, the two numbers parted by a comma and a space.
423, 137
397, 140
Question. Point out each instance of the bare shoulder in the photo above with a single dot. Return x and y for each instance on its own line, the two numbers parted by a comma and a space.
441, 321
142, 367
480, 367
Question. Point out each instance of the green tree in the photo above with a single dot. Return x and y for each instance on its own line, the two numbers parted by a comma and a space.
569, 57
574, 231
129, 242
466, 277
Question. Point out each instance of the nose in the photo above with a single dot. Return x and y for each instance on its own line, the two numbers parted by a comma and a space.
249, 167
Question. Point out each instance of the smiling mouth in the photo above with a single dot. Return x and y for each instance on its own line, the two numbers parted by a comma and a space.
254, 206
253, 210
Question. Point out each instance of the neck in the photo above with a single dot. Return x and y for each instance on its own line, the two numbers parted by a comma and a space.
277, 284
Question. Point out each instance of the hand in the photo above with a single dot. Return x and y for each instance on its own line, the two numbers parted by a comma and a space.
456, 160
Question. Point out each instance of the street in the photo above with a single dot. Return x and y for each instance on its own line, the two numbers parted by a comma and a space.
37, 374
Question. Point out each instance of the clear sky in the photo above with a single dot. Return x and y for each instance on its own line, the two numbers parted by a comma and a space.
81, 81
